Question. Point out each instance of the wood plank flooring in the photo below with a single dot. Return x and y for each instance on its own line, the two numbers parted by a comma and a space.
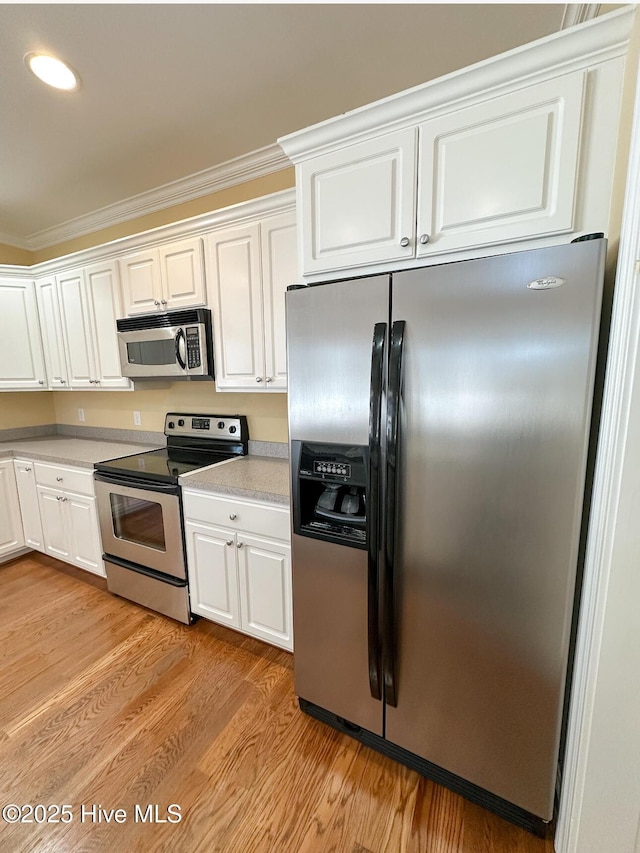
106, 706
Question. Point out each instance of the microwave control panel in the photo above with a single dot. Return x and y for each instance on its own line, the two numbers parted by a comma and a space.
193, 347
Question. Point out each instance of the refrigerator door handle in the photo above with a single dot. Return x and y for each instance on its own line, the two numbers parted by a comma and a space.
393, 436
373, 508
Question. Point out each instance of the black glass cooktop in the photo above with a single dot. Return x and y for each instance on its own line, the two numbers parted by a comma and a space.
163, 465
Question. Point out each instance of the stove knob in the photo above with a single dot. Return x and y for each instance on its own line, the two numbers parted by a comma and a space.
171, 425
232, 429
220, 424
181, 422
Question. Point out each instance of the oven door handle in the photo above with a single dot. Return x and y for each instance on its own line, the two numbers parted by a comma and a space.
133, 483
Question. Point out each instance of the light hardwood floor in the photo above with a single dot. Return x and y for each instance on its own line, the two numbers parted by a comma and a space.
104, 703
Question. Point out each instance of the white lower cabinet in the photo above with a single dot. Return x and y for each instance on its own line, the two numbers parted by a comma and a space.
69, 516
29, 509
11, 538
238, 576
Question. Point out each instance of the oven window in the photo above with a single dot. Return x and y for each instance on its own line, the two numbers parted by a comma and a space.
152, 352
138, 521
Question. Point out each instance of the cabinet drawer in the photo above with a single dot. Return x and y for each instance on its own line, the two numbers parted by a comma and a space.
68, 479
261, 519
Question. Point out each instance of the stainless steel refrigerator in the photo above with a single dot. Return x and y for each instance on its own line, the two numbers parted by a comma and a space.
439, 424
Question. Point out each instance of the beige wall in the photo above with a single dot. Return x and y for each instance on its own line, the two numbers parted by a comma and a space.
13, 255
27, 408
282, 180
266, 413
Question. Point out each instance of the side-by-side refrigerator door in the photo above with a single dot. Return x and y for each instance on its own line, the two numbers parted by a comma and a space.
499, 359
336, 346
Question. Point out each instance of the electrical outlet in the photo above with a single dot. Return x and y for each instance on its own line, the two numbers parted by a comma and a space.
136, 419
81, 414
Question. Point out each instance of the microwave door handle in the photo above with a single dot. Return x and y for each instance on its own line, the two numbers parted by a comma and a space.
180, 350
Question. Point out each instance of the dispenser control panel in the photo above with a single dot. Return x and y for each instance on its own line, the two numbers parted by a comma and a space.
338, 469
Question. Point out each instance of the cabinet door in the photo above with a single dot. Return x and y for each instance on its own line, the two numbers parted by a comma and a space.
52, 334
213, 581
85, 548
141, 283
182, 273
279, 270
265, 589
54, 523
76, 327
21, 359
11, 538
501, 171
358, 204
233, 270
103, 295
29, 509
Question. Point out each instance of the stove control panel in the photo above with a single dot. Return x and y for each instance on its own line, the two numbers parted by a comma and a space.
231, 427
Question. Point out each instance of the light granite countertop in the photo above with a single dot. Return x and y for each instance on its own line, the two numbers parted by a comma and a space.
62, 450
262, 478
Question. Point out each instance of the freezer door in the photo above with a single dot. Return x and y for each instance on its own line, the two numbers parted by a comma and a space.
329, 334
332, 355
498, 363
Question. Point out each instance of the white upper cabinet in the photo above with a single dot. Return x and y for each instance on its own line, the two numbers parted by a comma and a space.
21, 358
248, 271
89, 306
517, 151
51, 331
279, 270
501, 171
166, 278
358, 204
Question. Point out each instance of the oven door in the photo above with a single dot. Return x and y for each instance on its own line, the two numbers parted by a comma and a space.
141, 524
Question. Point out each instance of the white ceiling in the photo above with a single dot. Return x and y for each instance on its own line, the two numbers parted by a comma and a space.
170, 90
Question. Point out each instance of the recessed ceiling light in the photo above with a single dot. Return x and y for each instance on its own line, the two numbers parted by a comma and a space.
54, 72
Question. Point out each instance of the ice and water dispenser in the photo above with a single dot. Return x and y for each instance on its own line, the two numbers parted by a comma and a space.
330, 501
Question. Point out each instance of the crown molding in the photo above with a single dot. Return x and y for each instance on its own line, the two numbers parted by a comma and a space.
236, 214
247, 167
578, 47
578, 13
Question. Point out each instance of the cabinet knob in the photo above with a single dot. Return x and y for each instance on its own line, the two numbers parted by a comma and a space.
40, 381
27, 469
59, 479
229, 541
58, 497
239, 545
233, 516
424, 239
155, 302
405, 242
258, 378
164, 301
269, 379
63, 381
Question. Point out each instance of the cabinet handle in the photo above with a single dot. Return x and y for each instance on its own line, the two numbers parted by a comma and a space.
239, 545
269, 379
40, 381
63, 381
229, 541
233, 516
405, 242
155, 302
164, 301
27, 469
258, 378
59, 479
58, 497
424, 239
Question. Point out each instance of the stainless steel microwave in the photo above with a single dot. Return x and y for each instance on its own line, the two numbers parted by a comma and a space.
171, 345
